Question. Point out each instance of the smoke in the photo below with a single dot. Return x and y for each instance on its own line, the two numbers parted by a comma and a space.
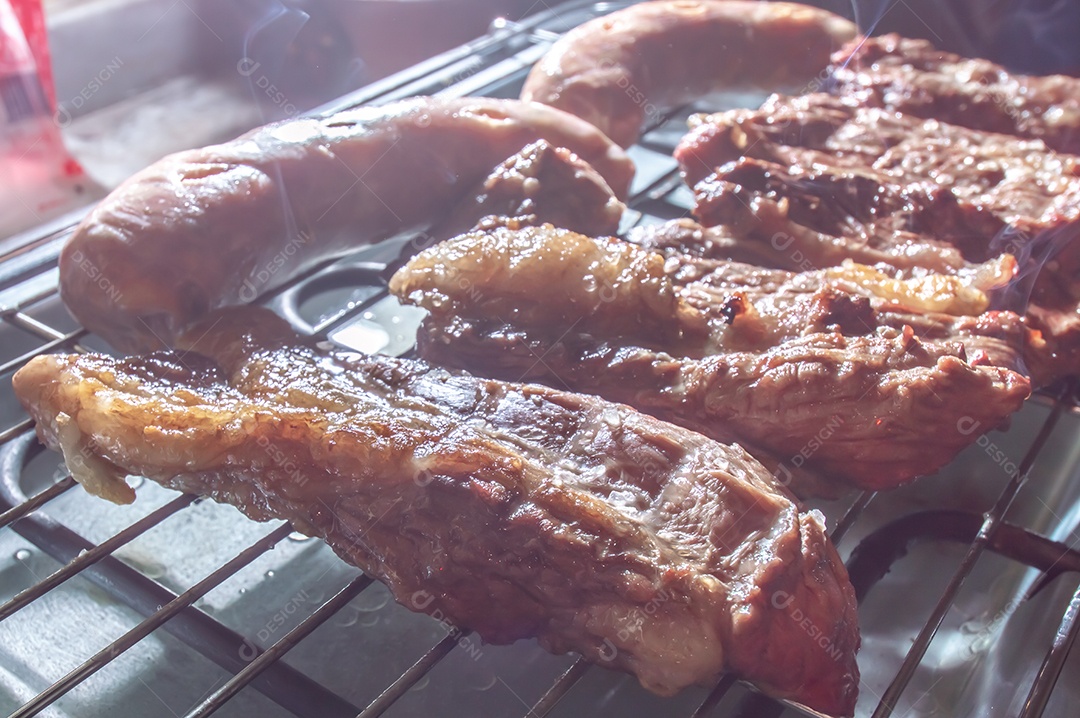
265, 48
1028, 36
1032, 253
1040, 37
266, 41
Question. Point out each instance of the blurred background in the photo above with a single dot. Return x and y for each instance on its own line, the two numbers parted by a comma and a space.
94, 90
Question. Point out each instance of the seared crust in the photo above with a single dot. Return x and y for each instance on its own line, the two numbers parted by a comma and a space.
619, 70
817, 180
820, 370
515, 510
914, 77
217, 225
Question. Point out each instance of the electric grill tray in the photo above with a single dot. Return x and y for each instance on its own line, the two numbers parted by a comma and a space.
967, 580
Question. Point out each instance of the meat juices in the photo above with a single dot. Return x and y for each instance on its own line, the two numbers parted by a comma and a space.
515, 510
815, 180
519, 510
914, 77
761, 357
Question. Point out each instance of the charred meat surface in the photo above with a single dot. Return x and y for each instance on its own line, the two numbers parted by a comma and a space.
766, 358
516, 510
540, 184
813, 181
914, 77
852, 298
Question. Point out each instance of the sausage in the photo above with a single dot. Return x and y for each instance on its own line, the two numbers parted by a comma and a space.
621, 70
217, 225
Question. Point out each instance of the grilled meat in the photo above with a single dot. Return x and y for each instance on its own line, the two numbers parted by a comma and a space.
220, 225
622, 70
542, 183
764, 358
516, 510
812, 181
916, 78
857, 299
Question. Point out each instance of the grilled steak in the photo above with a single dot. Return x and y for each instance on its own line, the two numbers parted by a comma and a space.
762, 357
812, 181
914, 77
516, 510
855, 299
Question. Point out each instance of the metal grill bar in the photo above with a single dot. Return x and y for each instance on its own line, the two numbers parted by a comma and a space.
17, 512
1050, 670
95, 554
283, 646
38, 248
560, 688
879, 550
281, 683
28, 323
484, 51
44, 349
414, 673
31, 298
851, 515
20, 427
662, 187
715, 696
354, 310
993, 519
129, 639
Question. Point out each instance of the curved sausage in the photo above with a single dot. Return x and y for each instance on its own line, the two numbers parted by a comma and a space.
221, 224
620, 70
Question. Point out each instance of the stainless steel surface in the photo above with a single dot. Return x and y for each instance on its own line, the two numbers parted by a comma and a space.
265, 660
991, 522
1054, 664
257, 624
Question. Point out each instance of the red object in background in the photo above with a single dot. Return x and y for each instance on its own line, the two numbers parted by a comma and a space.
38, 177
32, 20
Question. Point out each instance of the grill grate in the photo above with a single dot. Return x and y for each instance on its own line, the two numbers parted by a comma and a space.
493, 65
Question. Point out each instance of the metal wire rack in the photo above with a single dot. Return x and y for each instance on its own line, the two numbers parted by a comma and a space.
879, 531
